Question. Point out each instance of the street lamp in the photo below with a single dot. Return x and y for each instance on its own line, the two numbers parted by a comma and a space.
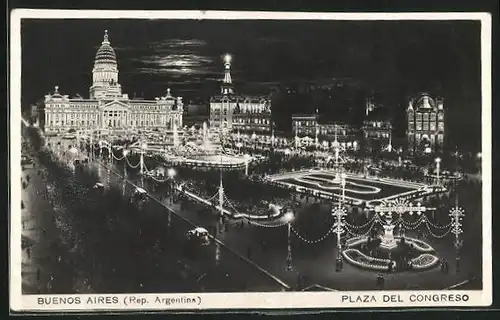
247, 161
171, 173
343, 178
456, 215
254, 139
100, 148
144, 146
438, 162
289, 217
339, 214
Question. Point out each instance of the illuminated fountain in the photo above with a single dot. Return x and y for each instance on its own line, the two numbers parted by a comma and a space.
205, 154
375, 251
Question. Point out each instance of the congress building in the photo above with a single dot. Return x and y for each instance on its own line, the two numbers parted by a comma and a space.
107, 108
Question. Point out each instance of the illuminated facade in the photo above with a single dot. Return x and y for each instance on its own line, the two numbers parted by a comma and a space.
379, 129
238, 113
107, 108
310, 125
426, 128
304, 124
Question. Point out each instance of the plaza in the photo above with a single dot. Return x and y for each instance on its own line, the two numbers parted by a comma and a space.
235, 209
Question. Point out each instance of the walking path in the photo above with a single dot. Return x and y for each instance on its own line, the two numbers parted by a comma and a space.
38, 233
46, 264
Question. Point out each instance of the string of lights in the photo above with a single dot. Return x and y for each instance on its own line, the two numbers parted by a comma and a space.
321, 239
437, 226
415, 225
362, 234
438, 236
130, 165
357, 227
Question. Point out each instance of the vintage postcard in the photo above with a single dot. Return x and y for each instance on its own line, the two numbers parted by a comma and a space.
186, 161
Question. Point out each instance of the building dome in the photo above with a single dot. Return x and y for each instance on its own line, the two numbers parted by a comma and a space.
105, 54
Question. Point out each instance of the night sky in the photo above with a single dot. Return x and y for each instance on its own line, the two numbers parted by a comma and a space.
392, 59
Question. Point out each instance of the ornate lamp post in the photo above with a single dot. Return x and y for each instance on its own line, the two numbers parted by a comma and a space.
400, 160
171, 173
144, 146
289, 217
125, 153
221, 202
339, 213
272, 138
438, 166
456, 214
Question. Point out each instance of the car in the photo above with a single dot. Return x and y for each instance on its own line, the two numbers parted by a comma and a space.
198, 236
26, 160
98, 185
140, 195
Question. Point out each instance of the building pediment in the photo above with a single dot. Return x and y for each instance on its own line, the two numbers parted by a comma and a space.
115, 106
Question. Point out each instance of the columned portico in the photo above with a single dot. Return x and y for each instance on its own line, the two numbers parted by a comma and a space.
115, 114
